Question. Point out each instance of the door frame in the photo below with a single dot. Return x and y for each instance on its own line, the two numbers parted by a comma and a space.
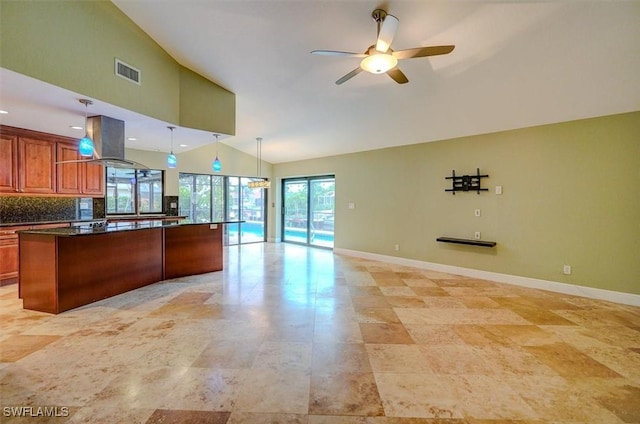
307, 180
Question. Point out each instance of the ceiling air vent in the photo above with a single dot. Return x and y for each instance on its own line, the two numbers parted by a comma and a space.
127, 72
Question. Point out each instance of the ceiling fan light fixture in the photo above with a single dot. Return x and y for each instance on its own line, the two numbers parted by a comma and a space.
378, 63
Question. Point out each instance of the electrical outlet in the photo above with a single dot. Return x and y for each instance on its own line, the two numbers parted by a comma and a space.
477, 212
397, 247
566, 270
477, 235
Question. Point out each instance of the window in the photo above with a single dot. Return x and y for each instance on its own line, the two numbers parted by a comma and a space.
206, 198
134, 191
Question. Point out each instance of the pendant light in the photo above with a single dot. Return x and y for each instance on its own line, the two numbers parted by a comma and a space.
217, 165
85, 147
261, 183
172, 161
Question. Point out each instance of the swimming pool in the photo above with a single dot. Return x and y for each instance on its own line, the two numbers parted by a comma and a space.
255, 230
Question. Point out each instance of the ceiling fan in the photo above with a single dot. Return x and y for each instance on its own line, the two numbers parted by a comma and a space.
380, 58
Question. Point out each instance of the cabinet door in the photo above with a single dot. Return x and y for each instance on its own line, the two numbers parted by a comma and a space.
68, 174
8, 163
8, 257
37, 165
93, 179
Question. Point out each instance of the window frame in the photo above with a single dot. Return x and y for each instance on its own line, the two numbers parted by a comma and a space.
135, 192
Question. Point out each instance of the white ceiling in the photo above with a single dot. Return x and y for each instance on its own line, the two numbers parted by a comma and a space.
516, 64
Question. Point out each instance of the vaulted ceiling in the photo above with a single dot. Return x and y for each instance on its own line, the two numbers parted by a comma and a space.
516, 64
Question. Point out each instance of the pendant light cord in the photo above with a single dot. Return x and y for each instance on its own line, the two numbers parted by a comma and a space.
259, 156
171, 128
86, 103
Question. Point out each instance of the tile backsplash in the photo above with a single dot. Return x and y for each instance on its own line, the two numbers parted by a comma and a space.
171, 205
21, 209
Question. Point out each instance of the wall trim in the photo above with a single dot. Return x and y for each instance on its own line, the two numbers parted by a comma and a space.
534, 283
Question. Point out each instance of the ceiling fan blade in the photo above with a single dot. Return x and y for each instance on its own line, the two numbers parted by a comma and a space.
397, 75
337, 53
386, 34
349, 75
422, 52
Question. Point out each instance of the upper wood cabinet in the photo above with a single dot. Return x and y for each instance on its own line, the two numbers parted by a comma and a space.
36, 166
8, 163
69, 175
29, 165
78, 178
92, 179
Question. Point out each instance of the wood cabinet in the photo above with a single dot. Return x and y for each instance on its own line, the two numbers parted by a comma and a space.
8, 257
28, 165
92, 179
69, 175
36, 166
77, 178
9, 250
8, 163
60, 272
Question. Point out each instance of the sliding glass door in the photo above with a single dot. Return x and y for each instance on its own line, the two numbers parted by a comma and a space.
295, 196
308, 206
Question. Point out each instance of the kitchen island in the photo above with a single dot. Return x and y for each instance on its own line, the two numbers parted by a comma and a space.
64, 268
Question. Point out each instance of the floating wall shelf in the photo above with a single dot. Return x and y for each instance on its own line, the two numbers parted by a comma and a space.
470, 242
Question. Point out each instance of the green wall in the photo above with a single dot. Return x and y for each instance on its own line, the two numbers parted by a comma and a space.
74, 44
569, 197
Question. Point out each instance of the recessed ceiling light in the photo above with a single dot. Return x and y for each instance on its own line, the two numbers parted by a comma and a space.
76, 127
3, 112
183, 145
132, 139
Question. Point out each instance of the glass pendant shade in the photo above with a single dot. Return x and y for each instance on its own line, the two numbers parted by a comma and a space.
217, 166
172, 161
86, 146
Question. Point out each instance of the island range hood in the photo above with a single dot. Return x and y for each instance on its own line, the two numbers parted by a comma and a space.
108, 141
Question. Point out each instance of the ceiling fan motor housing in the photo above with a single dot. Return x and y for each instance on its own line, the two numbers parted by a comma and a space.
378, 15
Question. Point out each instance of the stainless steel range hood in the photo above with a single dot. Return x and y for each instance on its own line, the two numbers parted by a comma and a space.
108, 143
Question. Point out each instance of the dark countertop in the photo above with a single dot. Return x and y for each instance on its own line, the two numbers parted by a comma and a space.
143, 217
65, 221
86, 230
89, 221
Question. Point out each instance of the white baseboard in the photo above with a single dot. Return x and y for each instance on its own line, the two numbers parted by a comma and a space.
554, 286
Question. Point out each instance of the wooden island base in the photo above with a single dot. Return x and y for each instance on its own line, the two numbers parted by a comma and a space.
61, 271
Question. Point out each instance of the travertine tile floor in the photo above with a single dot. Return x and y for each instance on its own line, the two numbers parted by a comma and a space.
287, 334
